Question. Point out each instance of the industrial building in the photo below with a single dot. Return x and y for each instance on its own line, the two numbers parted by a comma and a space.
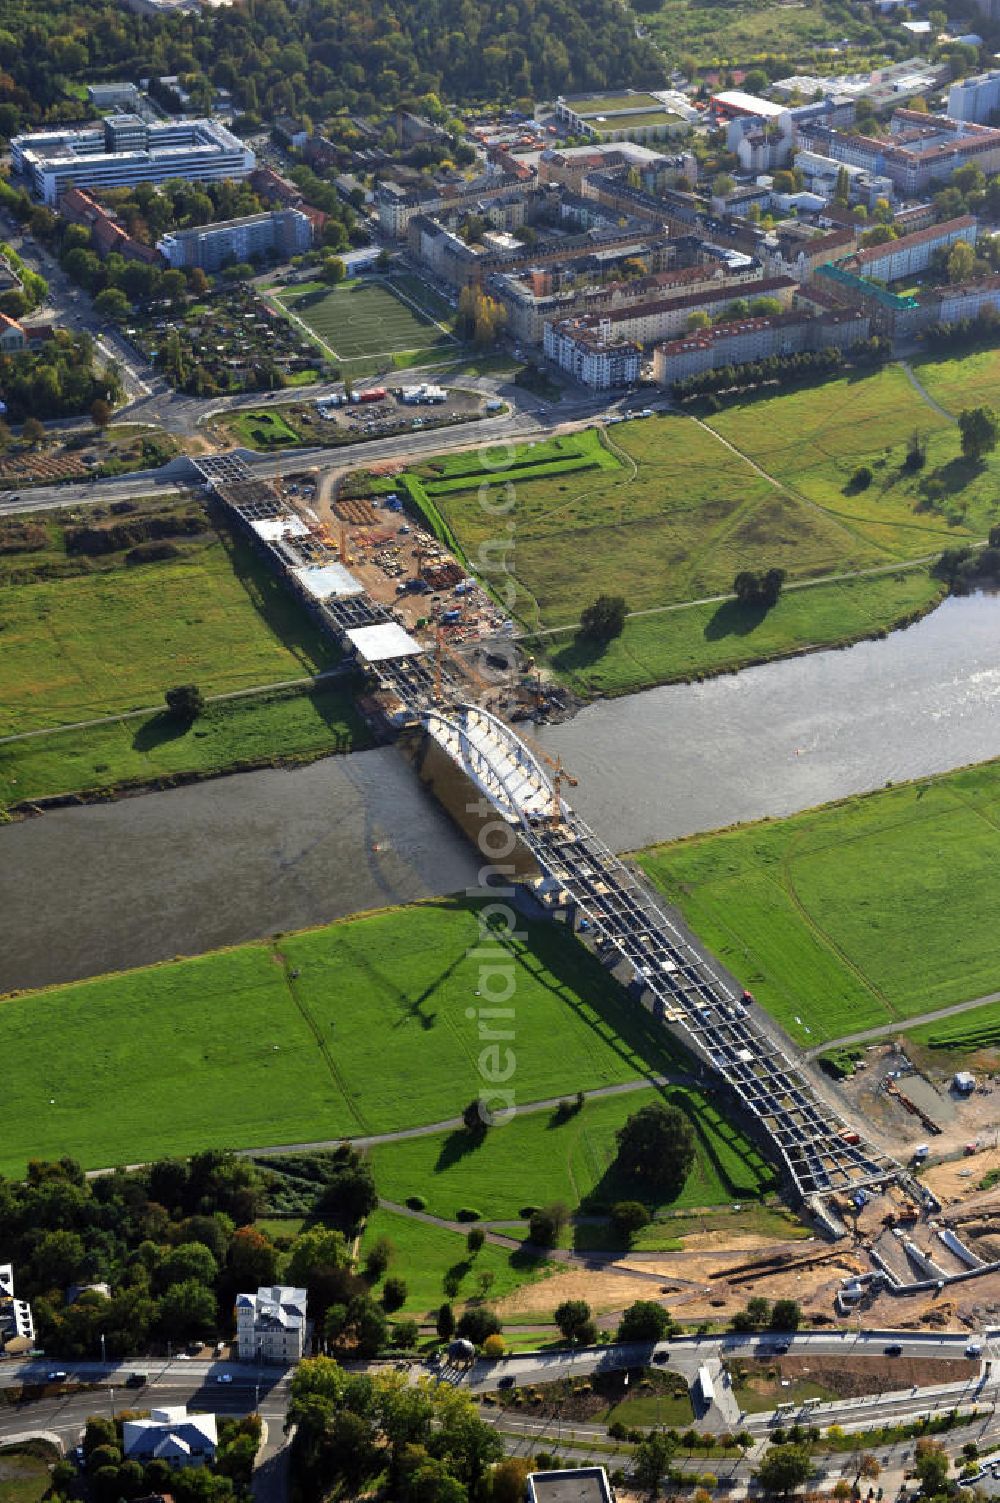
125, 150
282, 233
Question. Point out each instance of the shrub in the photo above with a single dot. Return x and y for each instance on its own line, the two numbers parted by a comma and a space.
416, 1203
464, 1213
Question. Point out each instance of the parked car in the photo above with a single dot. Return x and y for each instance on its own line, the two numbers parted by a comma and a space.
507, 1381
224, 1378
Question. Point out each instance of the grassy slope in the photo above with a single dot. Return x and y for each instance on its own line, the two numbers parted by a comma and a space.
813, 440
536, 1159
261, 1045
96, 644
717, 638
423, 1254
818, 913
255, 730
963, 381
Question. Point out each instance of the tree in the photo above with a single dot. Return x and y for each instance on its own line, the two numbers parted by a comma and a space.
478, 1323
656, 1149
784, 1468
644, 1320
446, 1322
494, 1346
869, 1467
931, 1464
842, 192
629, 1217
651, 1459
188, 1310
961, 262
699, 319
474, 1240
545, 1225
101, 413
572, 1316
786, 1315
394, 1294
33, 432
879, 234
112, 303
979, 429
604, 619
722, 185
185, 701
508, 1479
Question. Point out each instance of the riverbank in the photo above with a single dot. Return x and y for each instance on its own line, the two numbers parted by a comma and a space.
817, 913
286, 727
690, 643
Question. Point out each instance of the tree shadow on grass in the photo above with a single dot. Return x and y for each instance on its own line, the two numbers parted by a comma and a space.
581, 652
158, 730
952, 477
457, 1146
734, 620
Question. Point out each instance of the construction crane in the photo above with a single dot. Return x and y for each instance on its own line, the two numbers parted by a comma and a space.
560, 775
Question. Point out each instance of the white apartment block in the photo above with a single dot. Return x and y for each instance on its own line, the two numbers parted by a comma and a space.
16, 1322
271, 1324
127, 150
976, 99
280, 232
589, 351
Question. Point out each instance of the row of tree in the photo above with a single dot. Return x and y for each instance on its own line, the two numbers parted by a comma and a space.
782, 370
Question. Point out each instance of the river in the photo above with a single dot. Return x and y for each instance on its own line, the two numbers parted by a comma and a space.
788, 735
84, 890
107, 886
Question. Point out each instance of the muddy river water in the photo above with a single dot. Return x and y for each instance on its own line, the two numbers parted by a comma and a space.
85, 890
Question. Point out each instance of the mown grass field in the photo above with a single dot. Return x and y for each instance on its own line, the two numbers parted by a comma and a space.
853, 915
98, 644
274, 1043
251, 731
540, 1157
423, 1255
359, 319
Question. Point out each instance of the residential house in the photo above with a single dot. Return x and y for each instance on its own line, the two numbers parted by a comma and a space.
271, 1325
172, 1435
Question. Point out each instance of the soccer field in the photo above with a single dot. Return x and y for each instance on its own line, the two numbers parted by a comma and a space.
364, 319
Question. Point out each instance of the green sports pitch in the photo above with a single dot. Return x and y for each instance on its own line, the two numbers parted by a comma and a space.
360, 320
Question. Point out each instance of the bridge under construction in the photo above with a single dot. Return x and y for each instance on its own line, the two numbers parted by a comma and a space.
578, 876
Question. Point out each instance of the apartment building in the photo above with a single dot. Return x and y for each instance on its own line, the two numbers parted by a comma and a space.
593, 353
975, 98
17, 1327
667, 318
279, 232
107, 235
398, 204
912, 254
745, 340
536, 297
271, 1325
128, 150
922, 150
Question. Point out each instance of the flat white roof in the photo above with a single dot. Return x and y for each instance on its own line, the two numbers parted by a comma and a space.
378, 643
324, 580
752, 104
270, 529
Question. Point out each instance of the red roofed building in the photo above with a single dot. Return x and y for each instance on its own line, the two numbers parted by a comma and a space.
80, 207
